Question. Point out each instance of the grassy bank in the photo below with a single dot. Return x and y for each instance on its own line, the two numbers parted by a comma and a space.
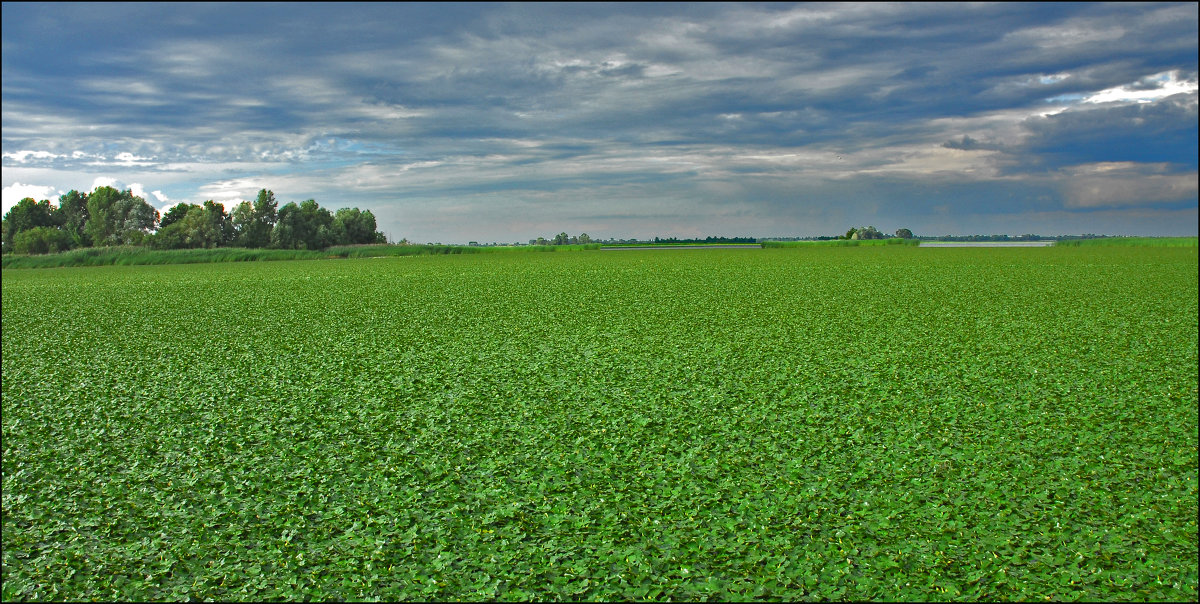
133, 255
1130, 241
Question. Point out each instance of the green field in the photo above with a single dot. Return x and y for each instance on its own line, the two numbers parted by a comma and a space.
876, 422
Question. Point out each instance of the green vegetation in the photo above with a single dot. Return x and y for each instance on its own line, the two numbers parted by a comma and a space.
134, 255
127, 255
1129, 241
978, 424
109, 217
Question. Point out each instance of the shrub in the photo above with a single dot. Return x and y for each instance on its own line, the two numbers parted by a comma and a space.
41, 240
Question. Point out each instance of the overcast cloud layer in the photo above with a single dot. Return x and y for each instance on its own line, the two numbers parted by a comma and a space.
506, 122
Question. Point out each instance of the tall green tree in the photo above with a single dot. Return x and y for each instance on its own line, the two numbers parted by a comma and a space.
369, 228
221, 223
242, 216
867, 233
306, 226
175, 214
27, 214
171, 237
201, 226
252, 223
351, 227
73, 217
118, 217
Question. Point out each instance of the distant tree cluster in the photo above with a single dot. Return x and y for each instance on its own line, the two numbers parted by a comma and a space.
108, 216
864, 233
562, 239
870, 232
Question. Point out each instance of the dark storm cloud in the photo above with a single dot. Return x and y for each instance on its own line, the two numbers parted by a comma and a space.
1145, 132
599, 110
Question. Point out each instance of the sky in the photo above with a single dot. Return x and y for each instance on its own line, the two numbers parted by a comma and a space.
506, 122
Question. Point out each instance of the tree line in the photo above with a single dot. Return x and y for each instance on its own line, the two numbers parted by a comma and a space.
108, 216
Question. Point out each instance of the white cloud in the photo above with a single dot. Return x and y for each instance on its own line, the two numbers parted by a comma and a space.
1070, 35
129, 158
121, 159
230, 193
14, 193
152, 196
1152, 88
24, 155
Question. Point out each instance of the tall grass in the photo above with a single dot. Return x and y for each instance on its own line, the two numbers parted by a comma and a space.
841, 242
1129, 241
129, 255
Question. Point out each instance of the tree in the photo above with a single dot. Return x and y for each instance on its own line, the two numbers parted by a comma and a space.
866, 233
202, 226
73, 217
585, 239
41, 240
242, 217
306, 226
171, 237
118, 217
253, 225
199, 227
175, 214
850, 233
369, 227
284, 234
222, 224
27, 214
561, 239
352, 227
904, 233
